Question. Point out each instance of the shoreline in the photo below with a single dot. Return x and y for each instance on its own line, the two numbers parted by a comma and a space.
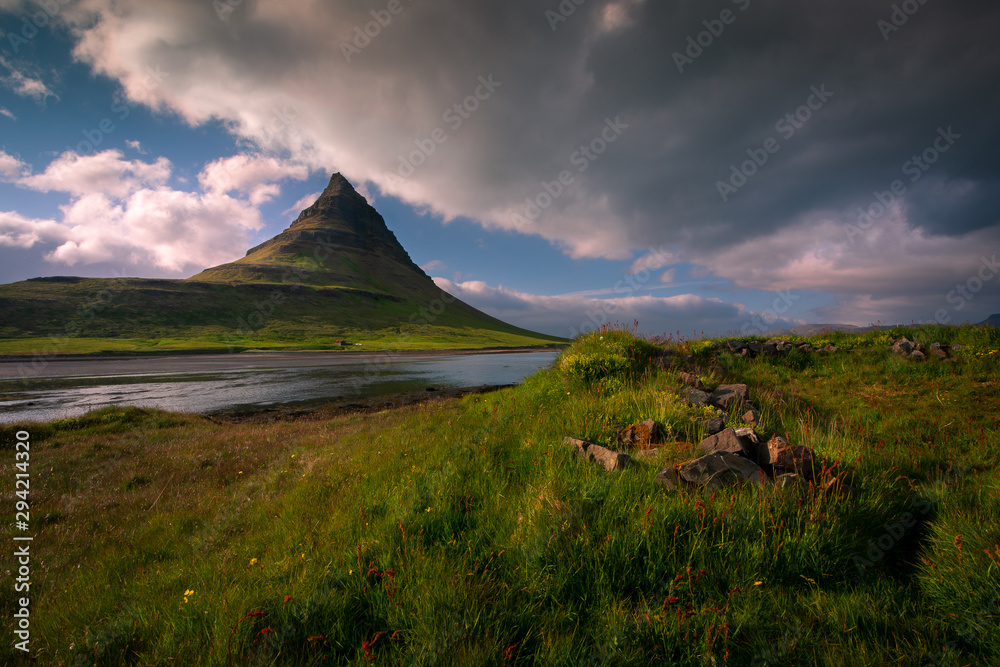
327, 409
116, 356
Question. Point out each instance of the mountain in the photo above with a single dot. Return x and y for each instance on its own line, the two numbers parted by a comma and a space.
339, 241
336, 274
992, 320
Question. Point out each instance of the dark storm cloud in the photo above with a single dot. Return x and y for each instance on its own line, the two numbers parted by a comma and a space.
611, 123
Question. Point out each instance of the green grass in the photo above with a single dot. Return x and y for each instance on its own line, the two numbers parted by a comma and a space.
55, 316
464, 532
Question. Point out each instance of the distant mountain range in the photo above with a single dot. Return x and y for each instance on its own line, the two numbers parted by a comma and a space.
814, 329
336, 273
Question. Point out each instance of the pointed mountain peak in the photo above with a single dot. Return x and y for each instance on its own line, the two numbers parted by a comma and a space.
338, 185
339, 200
341, 239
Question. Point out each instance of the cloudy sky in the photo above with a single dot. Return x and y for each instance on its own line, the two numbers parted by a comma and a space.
721, 166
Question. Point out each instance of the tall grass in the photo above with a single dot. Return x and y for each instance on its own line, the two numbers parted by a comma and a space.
464, 532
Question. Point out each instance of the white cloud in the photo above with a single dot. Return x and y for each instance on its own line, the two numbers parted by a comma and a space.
20, 232
122, 211
668, 276
617, 15
889, 272
171, 230
24, 85
570, 314
252, 175
106, 173
135, 145
302, 204
7, 112
434, 265
11, 168
366, 191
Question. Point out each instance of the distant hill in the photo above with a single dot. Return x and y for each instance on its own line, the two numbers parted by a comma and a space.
336, 274
815, 329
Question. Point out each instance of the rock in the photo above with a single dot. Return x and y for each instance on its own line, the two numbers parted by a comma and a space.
640, 435
956, 348
938, 351
726, 396
729, 441
785, 457
691, 380
749, 433
720, 469
713, 425
649, 454
804, 347
669, 478
916, 355
751, 416
755, 347
902, 346
697, 397
831, 349
735, 346
604, 457
770, 349
780, 345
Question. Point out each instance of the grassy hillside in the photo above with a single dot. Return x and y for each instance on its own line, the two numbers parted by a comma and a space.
83, 315
463, 532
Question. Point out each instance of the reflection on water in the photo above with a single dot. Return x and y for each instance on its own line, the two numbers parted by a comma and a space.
202, 384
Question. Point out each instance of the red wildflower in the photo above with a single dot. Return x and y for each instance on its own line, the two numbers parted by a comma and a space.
670, 601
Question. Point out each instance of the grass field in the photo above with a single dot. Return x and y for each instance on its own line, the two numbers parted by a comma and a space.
463, 532
428, 338
56, 316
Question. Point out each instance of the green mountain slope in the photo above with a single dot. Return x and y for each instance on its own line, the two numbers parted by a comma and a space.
336, 273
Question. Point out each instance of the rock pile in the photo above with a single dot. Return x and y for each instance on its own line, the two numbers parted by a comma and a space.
911, 349
728, 455
739, 455
774, 346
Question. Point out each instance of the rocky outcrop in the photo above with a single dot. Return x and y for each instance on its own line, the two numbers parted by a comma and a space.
916, 352
720, 469
729, 441
740, 455
697, 397
691, 380
602, 456
728, 396
713, 425
778, 454
640, 435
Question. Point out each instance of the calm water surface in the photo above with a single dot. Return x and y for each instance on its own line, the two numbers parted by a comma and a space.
209, 383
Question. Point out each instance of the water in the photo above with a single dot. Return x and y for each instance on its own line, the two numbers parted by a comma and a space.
210, 383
